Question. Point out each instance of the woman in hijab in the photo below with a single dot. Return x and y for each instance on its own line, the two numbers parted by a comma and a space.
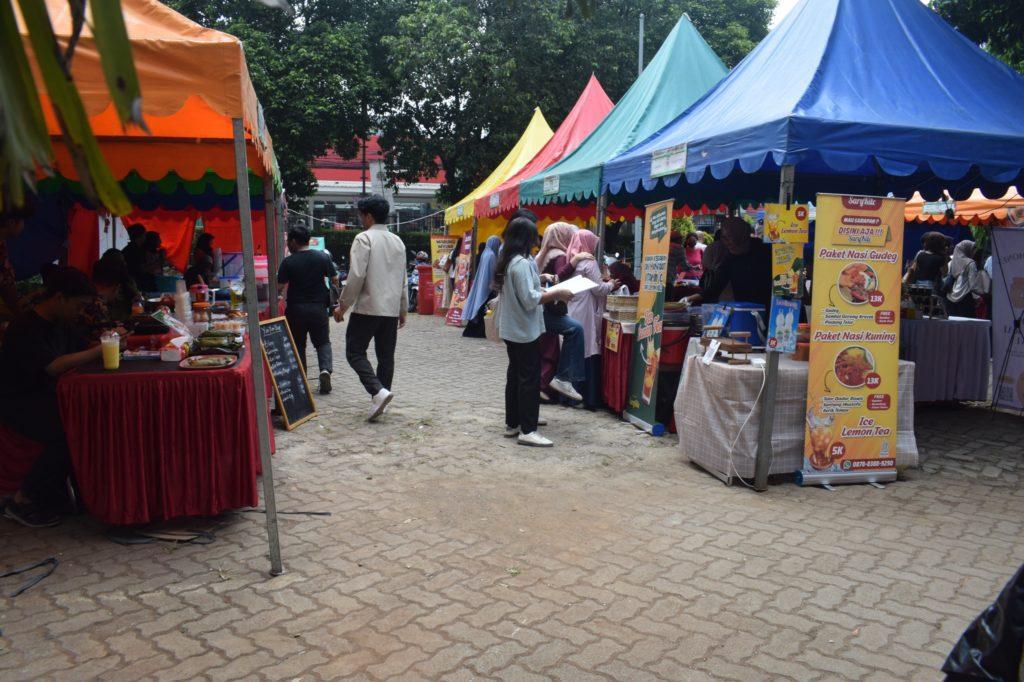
559, 367
481, 292
968, 284
588, 309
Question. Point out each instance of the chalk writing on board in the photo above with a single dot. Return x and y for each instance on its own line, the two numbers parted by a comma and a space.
295, 402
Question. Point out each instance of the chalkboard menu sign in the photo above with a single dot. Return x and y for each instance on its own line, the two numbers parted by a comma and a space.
294, 399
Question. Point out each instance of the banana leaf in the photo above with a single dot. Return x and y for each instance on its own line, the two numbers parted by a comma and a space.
115, 51
24, 142
96, 177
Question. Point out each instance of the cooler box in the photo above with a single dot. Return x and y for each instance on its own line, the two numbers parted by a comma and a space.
673, 347
747, 317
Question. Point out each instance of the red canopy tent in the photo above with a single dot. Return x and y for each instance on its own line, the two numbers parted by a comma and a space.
590, 109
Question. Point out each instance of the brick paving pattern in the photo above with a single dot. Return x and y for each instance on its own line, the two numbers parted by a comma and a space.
452, 553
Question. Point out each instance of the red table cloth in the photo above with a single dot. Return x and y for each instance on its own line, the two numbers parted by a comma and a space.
17, 454
151, 441
615, 370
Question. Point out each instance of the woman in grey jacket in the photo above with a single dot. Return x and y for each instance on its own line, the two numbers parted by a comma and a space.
520, 324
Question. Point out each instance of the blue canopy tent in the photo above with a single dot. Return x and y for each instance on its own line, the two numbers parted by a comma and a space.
844, 96
859, 96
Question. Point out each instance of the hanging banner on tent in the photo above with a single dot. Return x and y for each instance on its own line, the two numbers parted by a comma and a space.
786, 225
441, 246
850, 433
668, 161
1007, 310
461, 289
643, 373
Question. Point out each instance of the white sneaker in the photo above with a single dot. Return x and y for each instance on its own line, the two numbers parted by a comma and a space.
534, 439
511, 431
541, 421
565, 388
379, 403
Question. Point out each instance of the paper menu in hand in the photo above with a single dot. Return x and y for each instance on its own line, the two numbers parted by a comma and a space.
575, 285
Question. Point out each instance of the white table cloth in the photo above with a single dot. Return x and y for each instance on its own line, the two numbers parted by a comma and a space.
714, 400
952, 357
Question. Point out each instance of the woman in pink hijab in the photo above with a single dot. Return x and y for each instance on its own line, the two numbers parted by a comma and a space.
559, 368
588, 309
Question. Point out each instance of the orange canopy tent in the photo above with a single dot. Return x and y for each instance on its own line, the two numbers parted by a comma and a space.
975, 210
194, 83
200, 106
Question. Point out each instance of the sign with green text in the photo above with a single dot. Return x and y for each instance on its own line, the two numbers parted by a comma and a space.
643, 373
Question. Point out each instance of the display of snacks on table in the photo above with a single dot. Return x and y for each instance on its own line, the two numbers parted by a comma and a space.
236, 325
217, 341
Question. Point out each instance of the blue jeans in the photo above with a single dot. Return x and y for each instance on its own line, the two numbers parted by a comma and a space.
570, 359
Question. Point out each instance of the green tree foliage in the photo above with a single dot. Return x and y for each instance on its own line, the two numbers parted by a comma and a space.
470, 72
313, 73
996, 26
448, 80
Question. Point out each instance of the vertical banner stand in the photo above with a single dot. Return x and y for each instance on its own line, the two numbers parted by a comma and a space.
253, 322
763, 461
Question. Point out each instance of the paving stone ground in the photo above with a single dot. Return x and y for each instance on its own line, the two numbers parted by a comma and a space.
451, 553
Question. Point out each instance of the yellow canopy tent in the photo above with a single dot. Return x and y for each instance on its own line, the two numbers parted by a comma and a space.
459, 216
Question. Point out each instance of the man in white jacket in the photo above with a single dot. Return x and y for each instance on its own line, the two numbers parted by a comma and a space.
377, 295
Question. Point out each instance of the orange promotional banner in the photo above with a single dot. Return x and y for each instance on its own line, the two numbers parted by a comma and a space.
850, 433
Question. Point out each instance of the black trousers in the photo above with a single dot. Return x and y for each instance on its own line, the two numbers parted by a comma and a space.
38, 419
522, 385
311, 320
383, 331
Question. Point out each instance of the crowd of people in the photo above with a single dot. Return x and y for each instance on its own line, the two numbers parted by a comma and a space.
960, 275
54, 329
554, 338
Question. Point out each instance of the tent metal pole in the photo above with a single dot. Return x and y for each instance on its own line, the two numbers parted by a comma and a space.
281, 224
762, 463
640, 48
599, 228
270, 223
472, 253
253, 321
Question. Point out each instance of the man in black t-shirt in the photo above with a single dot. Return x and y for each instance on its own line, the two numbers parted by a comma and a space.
38, 348
304, 273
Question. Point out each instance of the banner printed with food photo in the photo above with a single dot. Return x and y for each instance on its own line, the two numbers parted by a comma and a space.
460, 292
441, 246
853, 377
787, 270
1007, 308
643, 373
786, 225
